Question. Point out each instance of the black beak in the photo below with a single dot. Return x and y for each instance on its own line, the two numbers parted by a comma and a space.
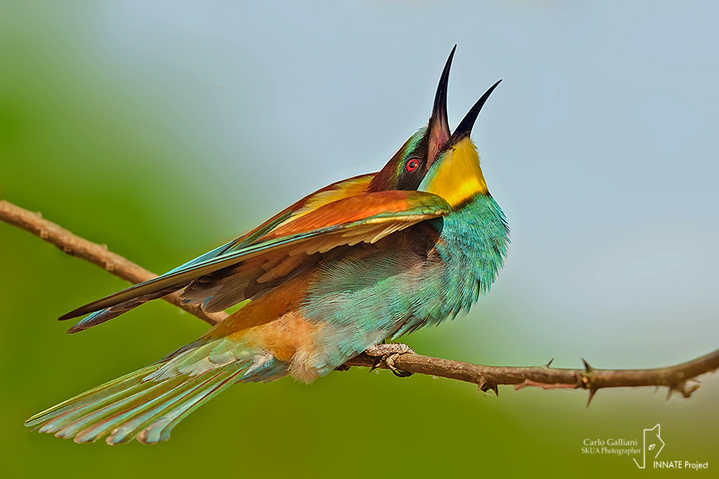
438, 129
465, 126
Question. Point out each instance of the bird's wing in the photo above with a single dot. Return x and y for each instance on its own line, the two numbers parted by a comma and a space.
329, 194
291, 243
334, 192
199, 293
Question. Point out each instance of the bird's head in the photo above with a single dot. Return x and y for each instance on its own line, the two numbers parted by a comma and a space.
455, 174
434, 159
407, 168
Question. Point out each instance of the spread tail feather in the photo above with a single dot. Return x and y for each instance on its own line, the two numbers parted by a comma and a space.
148, 403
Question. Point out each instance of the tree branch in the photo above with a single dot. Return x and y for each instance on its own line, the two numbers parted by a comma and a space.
94, 253
487, 378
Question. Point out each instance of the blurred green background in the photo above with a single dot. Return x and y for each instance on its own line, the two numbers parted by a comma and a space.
163, 129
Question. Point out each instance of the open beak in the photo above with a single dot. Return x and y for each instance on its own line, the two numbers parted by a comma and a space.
464, 128
438, 129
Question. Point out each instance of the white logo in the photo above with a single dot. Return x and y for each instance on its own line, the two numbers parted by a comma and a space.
651, 447
652, 442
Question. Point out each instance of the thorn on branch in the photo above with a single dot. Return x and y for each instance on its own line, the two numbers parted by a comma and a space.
688, 392
587, 367
682, 389
592, 392
549, 363
484, 387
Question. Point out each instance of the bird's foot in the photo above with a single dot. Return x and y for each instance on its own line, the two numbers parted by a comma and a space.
388, 353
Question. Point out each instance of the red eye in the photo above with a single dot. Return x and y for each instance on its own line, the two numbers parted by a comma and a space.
412, 165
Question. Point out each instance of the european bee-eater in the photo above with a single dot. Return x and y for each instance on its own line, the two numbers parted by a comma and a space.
354, 264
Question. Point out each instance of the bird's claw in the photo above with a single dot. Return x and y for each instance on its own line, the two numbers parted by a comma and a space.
388, 353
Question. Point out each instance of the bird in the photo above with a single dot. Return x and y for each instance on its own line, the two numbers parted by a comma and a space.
349, 267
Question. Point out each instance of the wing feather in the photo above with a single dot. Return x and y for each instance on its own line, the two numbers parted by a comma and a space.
365, 218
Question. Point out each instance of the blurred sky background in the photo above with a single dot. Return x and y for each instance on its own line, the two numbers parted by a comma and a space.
163, 129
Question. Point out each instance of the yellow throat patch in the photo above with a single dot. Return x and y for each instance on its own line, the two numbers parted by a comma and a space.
458, 176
